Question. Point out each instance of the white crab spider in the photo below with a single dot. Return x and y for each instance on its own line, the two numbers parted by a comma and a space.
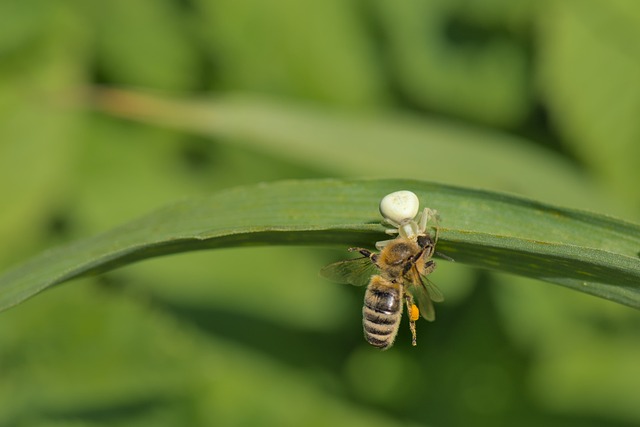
400, 210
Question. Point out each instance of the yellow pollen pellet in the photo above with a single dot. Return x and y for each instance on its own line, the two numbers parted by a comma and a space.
414, 313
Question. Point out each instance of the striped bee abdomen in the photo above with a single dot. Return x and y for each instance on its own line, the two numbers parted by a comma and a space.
381, 312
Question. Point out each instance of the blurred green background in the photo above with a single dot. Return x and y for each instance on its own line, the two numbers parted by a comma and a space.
540, 98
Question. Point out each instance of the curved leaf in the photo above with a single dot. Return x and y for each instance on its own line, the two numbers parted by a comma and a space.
382, 145
588, 252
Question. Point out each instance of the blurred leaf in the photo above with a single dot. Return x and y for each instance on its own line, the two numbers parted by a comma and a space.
577, 378
124, 169
569, 340
590, 253
310, 50
146, 43
376, 145
119, 361
590, 63
22, 22
449, 57
37, 77
282, 270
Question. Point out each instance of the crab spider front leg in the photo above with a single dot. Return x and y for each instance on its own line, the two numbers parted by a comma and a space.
381, 244
423, 219
425, 216
395, 225
391, 231
408, 230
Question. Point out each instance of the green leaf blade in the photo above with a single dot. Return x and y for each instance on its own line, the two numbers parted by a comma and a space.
594, 271
586, 252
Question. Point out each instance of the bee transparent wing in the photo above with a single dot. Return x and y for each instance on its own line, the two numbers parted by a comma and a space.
356, 271
426, 293
435, 294
424, 302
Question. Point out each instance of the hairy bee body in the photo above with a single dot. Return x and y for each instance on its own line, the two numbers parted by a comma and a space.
401, 262
395, 276
382, 311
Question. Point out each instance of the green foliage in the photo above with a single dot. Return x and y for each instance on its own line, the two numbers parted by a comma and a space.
590, 81
460, 59
422, 91
397, 145
488, 230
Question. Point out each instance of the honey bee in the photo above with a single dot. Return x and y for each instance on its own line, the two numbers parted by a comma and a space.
399, 272
396, 276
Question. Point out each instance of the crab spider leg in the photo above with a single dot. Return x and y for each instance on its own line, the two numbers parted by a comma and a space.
381, 244
424, 217
392, 223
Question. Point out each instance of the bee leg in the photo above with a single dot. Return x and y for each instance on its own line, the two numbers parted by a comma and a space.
366, 253
429, 266
414, 314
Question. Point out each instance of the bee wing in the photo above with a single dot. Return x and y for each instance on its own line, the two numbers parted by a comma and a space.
434, 292
426, 293
357, 271
424, 302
